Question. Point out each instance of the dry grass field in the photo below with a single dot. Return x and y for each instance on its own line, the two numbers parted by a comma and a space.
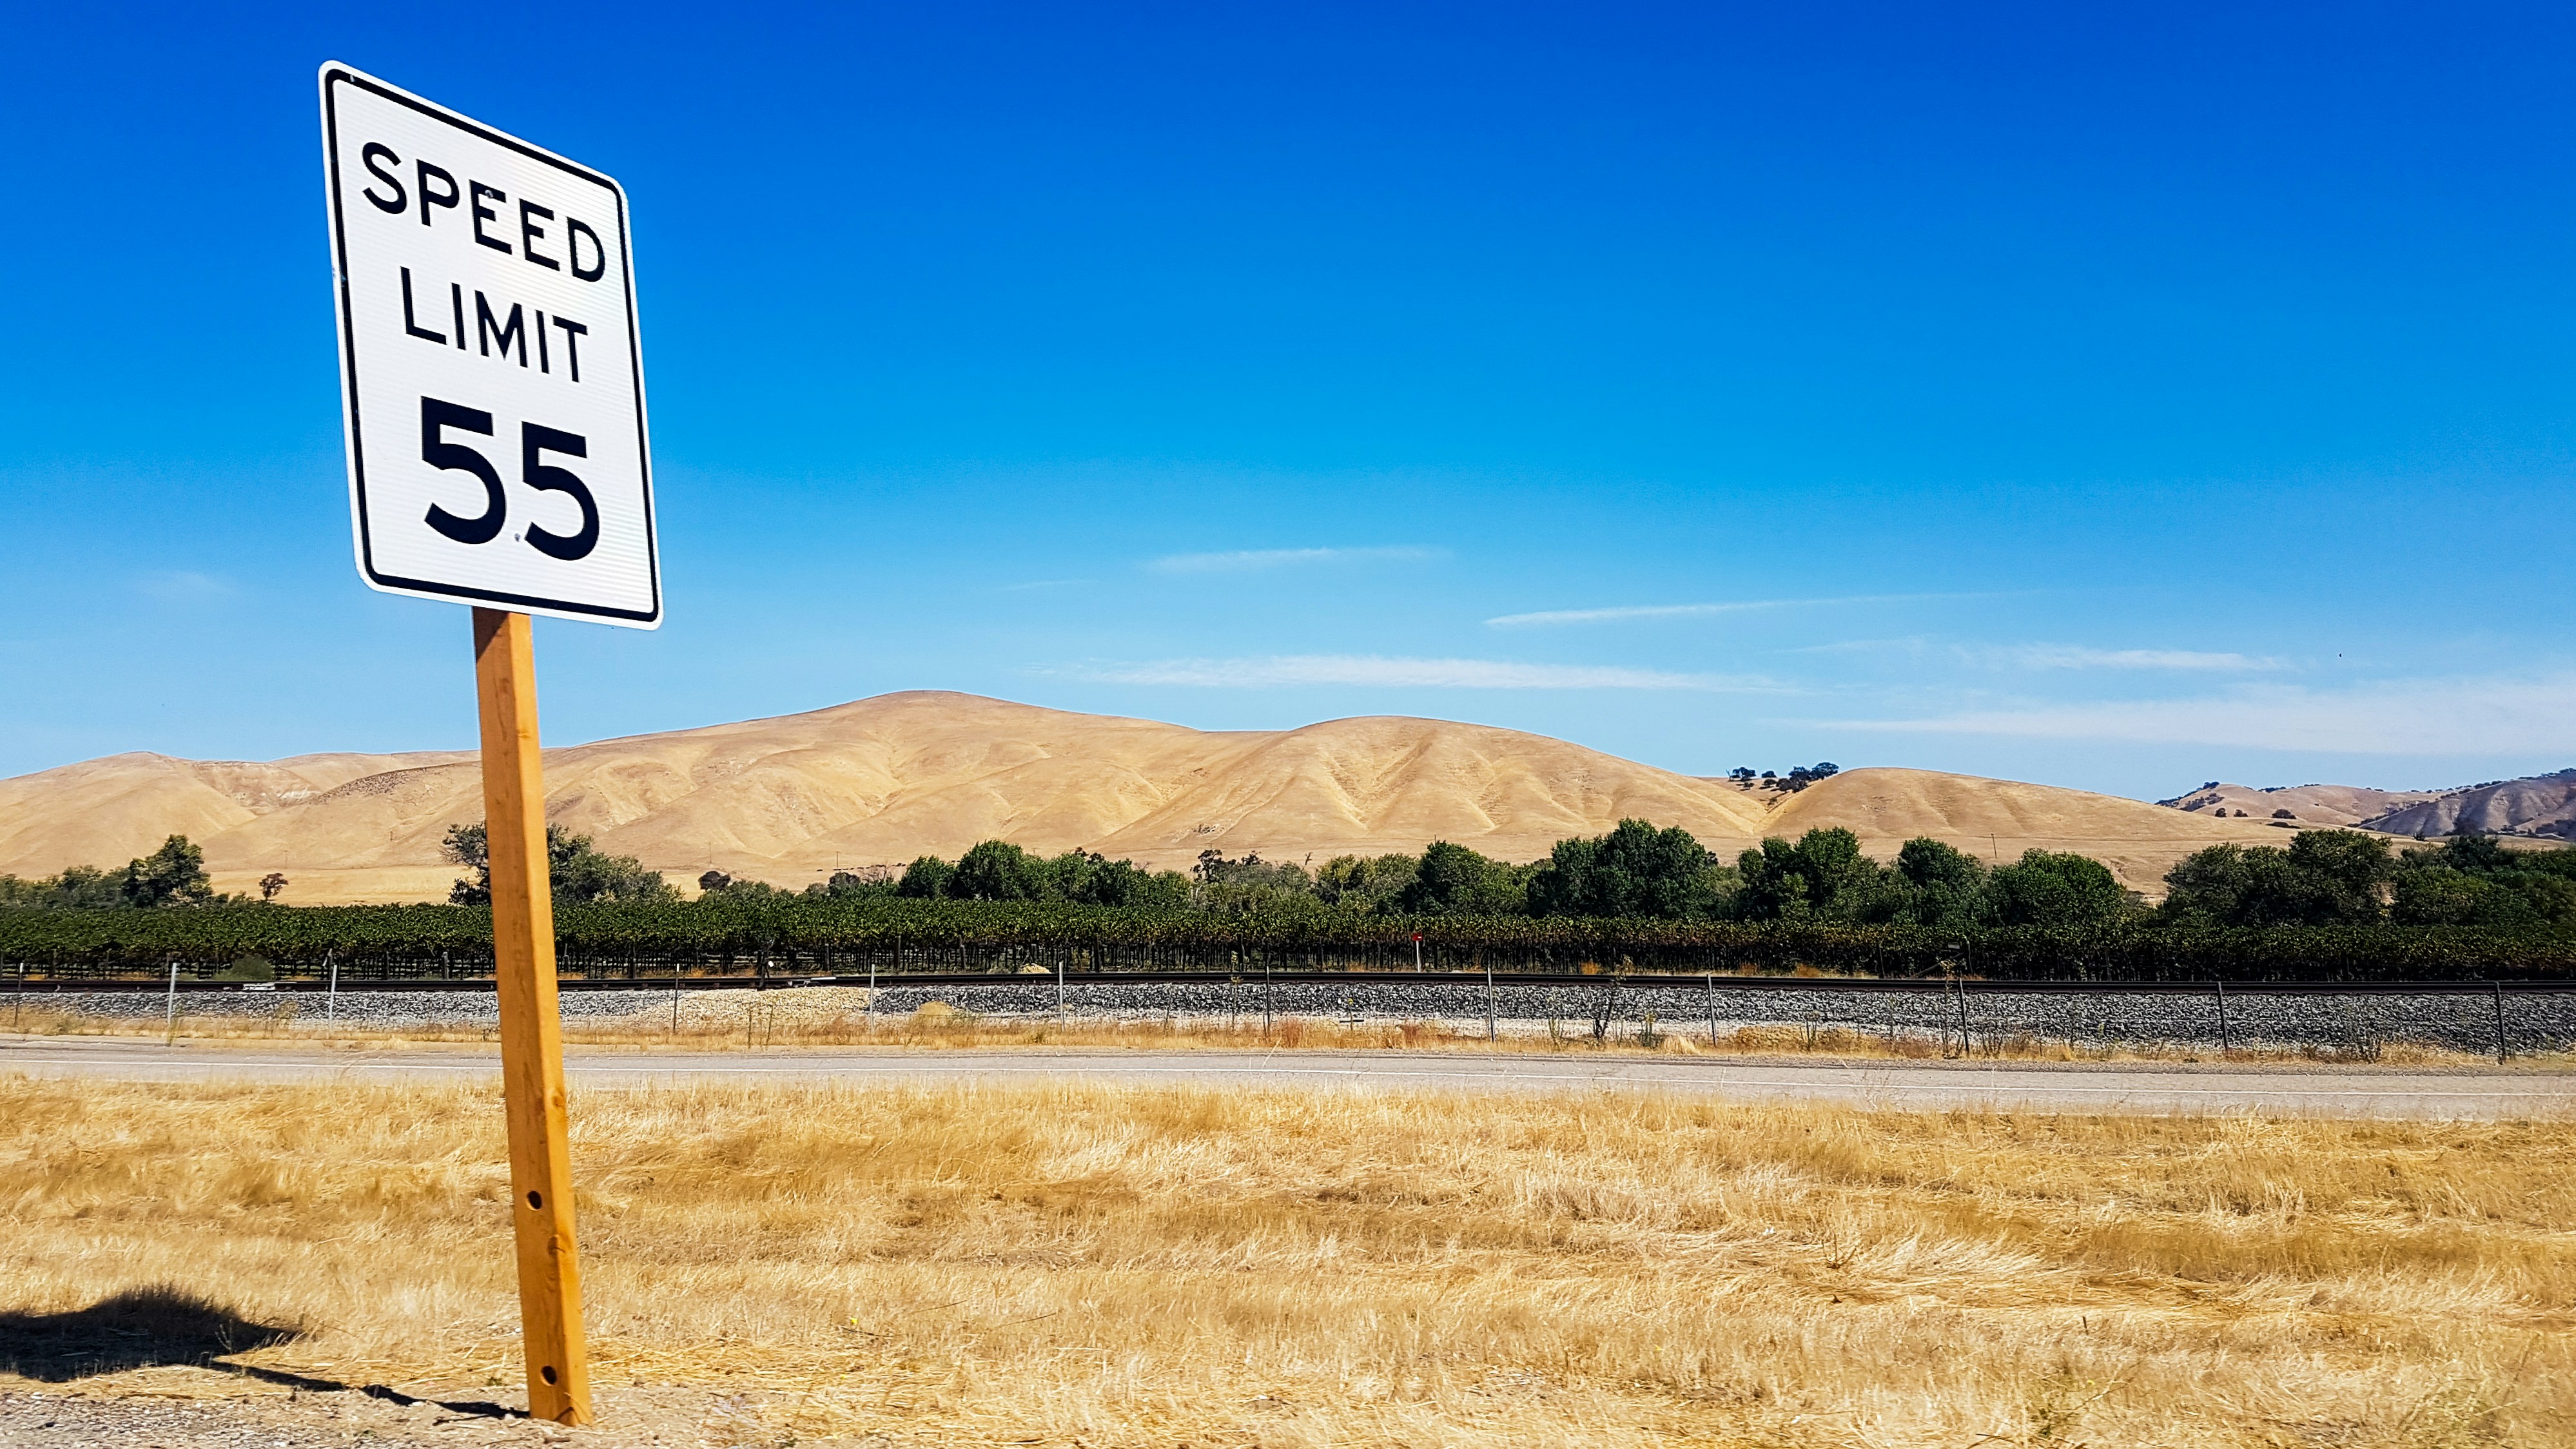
1120, 1266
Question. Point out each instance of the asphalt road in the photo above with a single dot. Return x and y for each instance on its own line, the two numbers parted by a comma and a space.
2086, 1087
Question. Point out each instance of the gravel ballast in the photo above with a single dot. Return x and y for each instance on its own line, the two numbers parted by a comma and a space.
2530, 1020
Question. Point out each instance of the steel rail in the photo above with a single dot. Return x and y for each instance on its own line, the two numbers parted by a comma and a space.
1462, 980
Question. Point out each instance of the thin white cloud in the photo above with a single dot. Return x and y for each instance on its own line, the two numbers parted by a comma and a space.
2077, 656
186, 586
1371, 669
1863, 646
2466, 717
1547, 617
1256, 560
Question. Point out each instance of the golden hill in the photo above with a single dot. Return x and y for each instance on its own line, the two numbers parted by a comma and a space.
2309, 805
1996, 820
882, 780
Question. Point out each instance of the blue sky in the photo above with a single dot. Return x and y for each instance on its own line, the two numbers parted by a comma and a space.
2121, 399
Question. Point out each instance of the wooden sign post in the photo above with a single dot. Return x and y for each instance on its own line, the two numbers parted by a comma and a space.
532, 1080
506, 466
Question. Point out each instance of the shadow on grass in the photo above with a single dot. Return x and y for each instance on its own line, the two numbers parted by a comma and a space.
162, 1325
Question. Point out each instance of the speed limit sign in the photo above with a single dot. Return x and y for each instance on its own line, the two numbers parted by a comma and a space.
493, 388
491, 371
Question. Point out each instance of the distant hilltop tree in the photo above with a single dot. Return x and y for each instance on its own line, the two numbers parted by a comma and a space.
1798, 778
1805, 775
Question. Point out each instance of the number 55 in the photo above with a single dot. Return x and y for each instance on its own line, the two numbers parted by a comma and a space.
534, 440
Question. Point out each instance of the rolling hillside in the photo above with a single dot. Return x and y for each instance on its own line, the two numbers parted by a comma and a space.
2537, 806
881, 780
2309, 805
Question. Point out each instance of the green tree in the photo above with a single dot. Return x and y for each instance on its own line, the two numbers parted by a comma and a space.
575, 871
78, 888
1452, 880
996, 870
2441, 896
1250, 885
850, 885
1635, 870
2469, 855
1822, 877
2326, 877
1092, 879
1161, 890
174, 875
2476, 880
1937, 885
578, 873
924, 879
2047, 889
1368, 883
2222, 885
2347, 872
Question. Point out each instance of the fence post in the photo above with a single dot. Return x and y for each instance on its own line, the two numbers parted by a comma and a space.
2224, 1047
2498, 987
170, 1023
1489, 1002
1712, 1009
331, 1000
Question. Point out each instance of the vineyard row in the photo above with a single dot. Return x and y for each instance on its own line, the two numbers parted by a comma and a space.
802, 937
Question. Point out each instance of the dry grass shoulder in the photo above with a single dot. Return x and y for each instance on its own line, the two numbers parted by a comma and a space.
731, 1020
1126, 1266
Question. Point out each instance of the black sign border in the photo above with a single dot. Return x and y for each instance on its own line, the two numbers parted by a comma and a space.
340, 74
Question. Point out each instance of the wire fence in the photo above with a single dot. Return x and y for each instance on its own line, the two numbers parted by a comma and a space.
2339, 1019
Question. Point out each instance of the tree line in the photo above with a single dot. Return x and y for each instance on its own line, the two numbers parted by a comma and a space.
1640, 872
1637, 872
174, 875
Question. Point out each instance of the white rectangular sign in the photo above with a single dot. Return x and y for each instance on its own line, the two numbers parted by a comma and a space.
492, 374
